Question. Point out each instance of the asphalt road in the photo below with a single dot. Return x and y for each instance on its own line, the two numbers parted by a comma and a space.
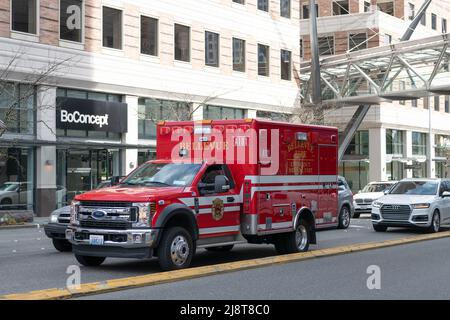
29, 262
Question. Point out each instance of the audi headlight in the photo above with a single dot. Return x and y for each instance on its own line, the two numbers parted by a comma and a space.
421, 206
145, 213
54, 218
74, 212
377, 204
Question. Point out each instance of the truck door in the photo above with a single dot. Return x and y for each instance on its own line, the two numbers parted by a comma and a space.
328, 200
219, 212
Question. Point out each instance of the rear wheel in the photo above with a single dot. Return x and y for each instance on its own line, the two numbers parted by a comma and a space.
344, 217
297, 241
176, 249
435, 223
90, 261
220, 248
6, 201
62, 245
379, 228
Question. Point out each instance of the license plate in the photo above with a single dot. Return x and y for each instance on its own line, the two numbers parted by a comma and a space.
96, 240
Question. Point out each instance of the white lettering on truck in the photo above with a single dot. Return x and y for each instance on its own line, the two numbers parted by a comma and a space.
77, 117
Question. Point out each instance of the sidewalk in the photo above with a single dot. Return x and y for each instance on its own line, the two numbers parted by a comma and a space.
38, 222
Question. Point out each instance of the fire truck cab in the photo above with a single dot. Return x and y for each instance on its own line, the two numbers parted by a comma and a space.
214, 184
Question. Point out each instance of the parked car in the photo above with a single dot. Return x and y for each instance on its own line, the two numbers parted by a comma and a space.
418, 203
371, 192
346, 209
14, 193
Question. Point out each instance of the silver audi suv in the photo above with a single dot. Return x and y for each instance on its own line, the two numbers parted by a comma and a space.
419, 203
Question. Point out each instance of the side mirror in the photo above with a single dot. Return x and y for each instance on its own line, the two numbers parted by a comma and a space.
445, 194
221, 184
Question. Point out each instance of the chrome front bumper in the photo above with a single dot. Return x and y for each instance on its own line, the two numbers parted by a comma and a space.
131, 238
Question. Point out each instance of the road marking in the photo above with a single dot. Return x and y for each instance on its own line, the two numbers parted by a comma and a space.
186, 274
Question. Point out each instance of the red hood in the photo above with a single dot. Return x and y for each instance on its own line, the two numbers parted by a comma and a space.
130, 194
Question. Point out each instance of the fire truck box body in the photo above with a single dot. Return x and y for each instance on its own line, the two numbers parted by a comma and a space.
233, 180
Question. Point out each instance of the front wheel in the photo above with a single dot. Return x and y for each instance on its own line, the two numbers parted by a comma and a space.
344, 218
220, 248
297, 241
90, 261
176, 249
62, 245
435, 223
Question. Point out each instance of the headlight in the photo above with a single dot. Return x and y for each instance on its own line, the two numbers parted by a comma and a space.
74, 212
54, 218
421, 206
377, 204
145, 214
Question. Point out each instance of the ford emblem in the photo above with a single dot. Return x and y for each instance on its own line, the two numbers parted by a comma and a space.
99, 214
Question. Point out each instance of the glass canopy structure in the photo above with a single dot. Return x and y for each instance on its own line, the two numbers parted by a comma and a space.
402, 71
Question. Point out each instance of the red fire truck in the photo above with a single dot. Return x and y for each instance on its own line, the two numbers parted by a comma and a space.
214, 184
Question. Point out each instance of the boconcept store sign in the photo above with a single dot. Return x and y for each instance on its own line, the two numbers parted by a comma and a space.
92, 115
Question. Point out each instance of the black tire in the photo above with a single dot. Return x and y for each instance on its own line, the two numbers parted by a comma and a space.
6, 201
344, 217
379, 228
90, 261
175, 239
220, 248
288, 243
435, 226
62, 245
356, 215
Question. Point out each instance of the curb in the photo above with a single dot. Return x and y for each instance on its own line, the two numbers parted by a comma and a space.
21, 226
186, 274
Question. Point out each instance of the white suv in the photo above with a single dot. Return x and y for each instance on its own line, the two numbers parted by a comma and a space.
422, 203
371, 192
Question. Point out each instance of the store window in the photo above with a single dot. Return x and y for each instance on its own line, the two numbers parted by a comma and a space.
394, 141
17, 106
112, 28
182, 43
356, 174
24, 16
359, 144
286, 64
71, 20
420, 170
395, 170
263, 5
263, 60
285, 8
419, 143
225, 113
238, 55
153, 110
442, 143
442, 169
149, 36
211, 49
16, 178
89, 95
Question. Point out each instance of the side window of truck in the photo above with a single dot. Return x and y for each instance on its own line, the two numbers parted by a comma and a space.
208, 178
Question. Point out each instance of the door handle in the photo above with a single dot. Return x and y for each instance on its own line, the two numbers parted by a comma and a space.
230, 199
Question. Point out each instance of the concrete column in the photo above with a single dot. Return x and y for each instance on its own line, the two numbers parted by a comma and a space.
130, 156
377, 154
407, 151
250, 114
45, 201
198, 112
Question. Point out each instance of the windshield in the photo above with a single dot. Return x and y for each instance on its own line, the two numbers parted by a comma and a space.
8, 187
379, 187
415, 187
163, 175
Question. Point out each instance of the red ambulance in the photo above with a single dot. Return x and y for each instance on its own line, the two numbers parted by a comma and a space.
214, 184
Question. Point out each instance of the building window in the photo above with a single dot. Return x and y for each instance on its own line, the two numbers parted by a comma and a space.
263, 60
71, 20
24, 15
395, 170
394, 142
285, 8
414, 103
112, 28
274, 116
359, 144
402, 87
386, 7
387, 39
442, 143
366, 6
239, 1
238, 55
357, 41
340, 7
419, 143
150, 111
263, 5
436, 103
423, 20
302, 52
149, 36
225, 113
447, 107
444, 25
433, 21
286, 65
211, 49
182, 43
326, 45
305, 11
411, 11
17, 106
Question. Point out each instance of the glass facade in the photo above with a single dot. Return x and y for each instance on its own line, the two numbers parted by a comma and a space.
359, 144
356, 173
419, 143
395, 170
394, 141
222, 113
17, 107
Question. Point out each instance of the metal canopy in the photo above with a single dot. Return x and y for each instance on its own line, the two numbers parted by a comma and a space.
402, 71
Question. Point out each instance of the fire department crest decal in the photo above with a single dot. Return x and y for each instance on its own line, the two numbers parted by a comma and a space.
217, 209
